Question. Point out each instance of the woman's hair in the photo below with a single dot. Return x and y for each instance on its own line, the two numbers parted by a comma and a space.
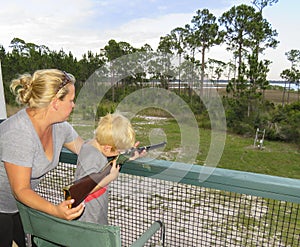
115, 130
37, 90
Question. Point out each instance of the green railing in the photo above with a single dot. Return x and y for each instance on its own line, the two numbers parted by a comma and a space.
199, 206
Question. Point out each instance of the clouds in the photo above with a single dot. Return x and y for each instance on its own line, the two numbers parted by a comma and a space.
145, 30
83, 25
54, 23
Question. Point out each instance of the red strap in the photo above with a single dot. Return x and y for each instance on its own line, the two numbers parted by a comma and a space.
95, 195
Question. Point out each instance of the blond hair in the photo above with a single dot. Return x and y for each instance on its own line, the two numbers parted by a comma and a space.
115, 130
37, 90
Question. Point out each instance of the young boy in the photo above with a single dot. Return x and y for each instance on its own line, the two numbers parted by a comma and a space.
113, 135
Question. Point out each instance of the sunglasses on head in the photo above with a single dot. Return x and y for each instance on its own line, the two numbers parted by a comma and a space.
65, 81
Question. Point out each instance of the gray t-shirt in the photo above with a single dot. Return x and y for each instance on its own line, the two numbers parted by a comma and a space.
92, 160
20, 145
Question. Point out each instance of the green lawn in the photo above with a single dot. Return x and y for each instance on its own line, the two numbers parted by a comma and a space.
277, 158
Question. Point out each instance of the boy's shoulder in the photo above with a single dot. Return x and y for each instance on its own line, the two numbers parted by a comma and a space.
88, 147
89, 156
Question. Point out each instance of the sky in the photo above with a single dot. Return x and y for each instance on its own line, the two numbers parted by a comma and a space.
87, 25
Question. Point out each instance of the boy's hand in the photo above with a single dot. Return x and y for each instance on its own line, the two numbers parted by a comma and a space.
137, 154
115, 170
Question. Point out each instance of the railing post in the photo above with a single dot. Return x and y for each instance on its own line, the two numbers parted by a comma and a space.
3, 114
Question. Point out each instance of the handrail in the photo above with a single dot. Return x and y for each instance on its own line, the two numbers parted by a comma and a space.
142, 240
273, 187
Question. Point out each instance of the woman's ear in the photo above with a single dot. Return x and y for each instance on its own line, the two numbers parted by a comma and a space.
54, 104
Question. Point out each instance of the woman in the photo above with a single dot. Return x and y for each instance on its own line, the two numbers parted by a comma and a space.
30, 144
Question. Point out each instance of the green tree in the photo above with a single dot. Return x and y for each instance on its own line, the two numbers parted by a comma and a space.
294, 57
239, 24
174, 43
261, 4
205, 34
112, 51
2, 53
216, 68
247, 33
264, 34
291, 75
146, 48
178, 36
89, 63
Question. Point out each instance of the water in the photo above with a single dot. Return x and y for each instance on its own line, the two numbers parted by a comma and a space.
281, 84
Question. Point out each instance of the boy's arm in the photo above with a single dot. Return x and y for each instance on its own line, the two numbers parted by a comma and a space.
114, 173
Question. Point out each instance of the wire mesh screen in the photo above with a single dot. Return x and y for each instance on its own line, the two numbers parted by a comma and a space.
193, 215
51, 186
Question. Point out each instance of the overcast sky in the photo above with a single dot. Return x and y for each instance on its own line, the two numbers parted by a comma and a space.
83, 25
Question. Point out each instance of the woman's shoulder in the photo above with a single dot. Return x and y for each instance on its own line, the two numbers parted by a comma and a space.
64, 128
64, 125
17, 127
16, 122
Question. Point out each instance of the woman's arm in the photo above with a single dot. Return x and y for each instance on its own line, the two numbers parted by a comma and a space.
19, 178
75, 145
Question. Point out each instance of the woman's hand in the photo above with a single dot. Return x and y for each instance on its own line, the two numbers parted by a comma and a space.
64, 210
19, 178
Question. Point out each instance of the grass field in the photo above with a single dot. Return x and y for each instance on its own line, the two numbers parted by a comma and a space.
276, 158
274, 96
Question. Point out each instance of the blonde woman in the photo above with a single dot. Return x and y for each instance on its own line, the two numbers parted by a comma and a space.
30, 144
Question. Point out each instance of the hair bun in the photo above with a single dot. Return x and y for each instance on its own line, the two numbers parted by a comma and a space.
22, 87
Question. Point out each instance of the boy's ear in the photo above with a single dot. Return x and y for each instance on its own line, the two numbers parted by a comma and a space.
107, 148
